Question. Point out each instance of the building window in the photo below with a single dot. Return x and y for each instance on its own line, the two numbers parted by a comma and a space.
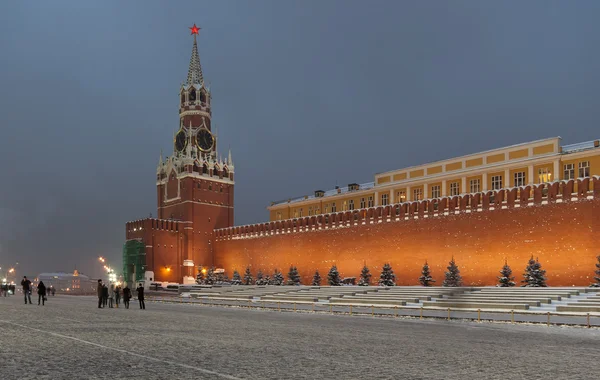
209, 187
401, 196
544, 175
436, 191
326, 208
333, 207
362, 203
417, 194
310, 211
370, 201
278, 215
300, 213
569, 172
454, 188
520, 179
351, 204
584, 169
295, 213
384, 199
316, 210
345, 206
475, 185
496, 182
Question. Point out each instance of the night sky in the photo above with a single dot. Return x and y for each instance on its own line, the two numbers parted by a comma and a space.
308, 94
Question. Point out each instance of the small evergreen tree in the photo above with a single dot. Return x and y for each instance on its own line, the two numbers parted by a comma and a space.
277, 278
293, 276
333, 277
210, 276
365, 277
236, 280
387, 277
267, 280
534, 276
426, 279
248, 277
506, 279
597, 274
259, 278
453, 277
316, 279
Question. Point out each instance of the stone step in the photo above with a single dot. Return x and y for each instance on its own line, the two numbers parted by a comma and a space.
477, 305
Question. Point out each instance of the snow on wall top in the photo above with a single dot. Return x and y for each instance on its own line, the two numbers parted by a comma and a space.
572, 148
341, 190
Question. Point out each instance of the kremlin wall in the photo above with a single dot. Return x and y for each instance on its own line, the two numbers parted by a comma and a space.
558, 222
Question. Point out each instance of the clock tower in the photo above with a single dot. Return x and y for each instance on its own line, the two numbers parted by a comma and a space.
194, 189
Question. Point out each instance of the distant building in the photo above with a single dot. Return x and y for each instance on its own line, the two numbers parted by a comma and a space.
75, 282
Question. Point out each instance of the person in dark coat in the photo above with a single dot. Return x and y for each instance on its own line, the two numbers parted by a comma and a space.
26, 284
140, 292
41, 293
126, 296
117, 295
104, 295
99, 292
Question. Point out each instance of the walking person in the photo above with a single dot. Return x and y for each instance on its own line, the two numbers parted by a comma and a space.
126, 296
117, 295
26, 284
111, 295
140, 292
41, 293
100, 294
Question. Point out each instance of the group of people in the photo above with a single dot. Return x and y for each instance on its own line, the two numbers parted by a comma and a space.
7, 289
41, 290
111, 295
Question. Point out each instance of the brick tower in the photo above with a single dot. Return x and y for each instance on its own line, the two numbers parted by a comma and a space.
194, 189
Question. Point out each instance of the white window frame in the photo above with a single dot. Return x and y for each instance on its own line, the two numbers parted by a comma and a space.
363, 203
351, 204
544, 175
454, 188
436, 191
519, 179
584, 169
569, 171
417, 194
385, 199
496, 182
475, 185
401, 196
371, 201
333, 207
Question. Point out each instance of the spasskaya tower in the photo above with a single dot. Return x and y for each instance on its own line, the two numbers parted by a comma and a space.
194, 193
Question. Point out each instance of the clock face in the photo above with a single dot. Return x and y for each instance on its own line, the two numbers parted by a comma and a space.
180, 141
205, 140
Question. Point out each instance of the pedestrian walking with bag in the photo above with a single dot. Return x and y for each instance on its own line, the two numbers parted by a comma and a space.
140, 292
126, 296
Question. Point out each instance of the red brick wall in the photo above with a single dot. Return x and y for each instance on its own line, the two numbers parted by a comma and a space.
565, 237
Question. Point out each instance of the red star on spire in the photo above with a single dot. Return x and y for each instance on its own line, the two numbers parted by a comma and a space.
194, 29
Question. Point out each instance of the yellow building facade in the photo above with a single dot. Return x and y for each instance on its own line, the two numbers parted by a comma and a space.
534, 162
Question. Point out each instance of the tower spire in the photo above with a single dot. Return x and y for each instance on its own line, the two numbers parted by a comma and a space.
195, 71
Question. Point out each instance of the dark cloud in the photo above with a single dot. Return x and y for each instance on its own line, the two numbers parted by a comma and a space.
306, 93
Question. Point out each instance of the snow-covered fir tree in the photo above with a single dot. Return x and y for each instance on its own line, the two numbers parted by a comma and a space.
210, 278
237, 279
267, 280
293, 276
277, 278
365, 277
597, 274
426, 279
534, 276
387, 276
506, 278
248, 277
316, 281
333, 277
259, 278
453, 277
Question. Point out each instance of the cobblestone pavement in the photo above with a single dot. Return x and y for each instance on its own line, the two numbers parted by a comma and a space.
70, 338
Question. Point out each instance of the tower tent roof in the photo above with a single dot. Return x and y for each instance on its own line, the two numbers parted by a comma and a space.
195, 70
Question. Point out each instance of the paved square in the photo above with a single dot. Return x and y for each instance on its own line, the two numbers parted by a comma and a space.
70, 338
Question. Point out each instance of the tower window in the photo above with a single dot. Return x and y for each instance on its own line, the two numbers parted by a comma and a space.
192, 96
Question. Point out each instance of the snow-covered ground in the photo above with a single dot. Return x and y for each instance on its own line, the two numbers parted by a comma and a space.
70, 338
